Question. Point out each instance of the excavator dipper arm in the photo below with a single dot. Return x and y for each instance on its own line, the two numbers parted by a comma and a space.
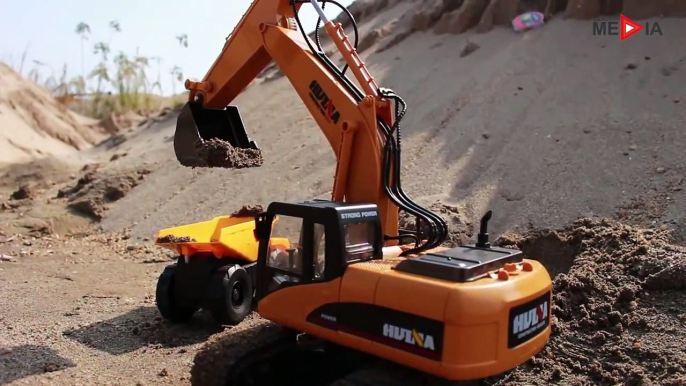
357, 123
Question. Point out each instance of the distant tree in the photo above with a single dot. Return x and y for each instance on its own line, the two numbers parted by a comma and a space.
34, 75
177, 76
114, 24
176, 71
183, 40
157, 84
23, 59
83, 30
102, 49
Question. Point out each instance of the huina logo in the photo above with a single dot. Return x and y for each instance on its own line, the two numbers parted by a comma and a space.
411, 337
530, 321
323, 102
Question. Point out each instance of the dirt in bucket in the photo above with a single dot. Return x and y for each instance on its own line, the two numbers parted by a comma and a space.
216, 153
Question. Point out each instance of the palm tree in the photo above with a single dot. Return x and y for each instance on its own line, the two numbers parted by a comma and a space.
83, 30
157, 83
114, 24
183, 40
103, 49
176, 71
177, 75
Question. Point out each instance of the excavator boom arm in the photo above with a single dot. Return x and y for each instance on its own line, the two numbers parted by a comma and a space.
244, 55
357, 123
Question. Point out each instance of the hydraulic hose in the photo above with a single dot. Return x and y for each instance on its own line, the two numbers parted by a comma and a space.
437, 226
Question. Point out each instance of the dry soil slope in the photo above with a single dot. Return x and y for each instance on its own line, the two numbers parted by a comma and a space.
33, 124
542, 127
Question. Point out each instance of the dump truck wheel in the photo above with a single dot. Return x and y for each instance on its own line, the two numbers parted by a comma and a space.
166, 299
231, 294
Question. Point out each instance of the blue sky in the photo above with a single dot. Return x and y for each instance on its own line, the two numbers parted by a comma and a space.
46, 29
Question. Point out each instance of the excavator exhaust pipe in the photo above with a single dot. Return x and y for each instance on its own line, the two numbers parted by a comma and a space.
198, 129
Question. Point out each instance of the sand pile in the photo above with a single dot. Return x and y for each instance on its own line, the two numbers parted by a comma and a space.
97, 188
33, 123
618, 305
116, 123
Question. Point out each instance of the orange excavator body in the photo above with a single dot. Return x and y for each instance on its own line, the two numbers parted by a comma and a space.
462, 313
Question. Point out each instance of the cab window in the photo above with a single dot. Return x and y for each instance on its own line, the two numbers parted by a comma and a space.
319, 263
285, 245
359, 244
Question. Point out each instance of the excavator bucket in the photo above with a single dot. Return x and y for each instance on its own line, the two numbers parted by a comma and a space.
198, 128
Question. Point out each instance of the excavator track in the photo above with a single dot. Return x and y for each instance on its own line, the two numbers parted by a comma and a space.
384, 373
219, 361
261, 352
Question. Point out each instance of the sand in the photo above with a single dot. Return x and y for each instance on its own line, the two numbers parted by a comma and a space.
618, 303
33, 124
543, 128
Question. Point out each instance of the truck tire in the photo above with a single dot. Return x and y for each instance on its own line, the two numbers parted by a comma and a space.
231, 295
166, 299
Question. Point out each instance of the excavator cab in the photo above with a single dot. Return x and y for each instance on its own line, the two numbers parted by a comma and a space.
324, 238
197, 124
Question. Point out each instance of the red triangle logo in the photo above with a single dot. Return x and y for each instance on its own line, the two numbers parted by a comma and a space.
628, 27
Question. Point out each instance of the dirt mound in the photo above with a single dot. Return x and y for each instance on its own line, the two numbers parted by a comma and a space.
618, 301
27, 192
96, 188
24, 192
34, 124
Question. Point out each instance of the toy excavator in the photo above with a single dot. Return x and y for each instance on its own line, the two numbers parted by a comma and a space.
341, 270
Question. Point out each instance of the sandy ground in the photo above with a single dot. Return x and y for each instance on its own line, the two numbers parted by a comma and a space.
78, 312
539, 128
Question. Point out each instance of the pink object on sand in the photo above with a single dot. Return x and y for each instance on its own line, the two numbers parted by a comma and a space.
528, 20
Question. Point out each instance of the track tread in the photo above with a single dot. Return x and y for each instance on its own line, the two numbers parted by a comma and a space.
212, 362
384, 373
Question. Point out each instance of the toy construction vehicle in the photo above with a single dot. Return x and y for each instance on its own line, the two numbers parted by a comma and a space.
341, 270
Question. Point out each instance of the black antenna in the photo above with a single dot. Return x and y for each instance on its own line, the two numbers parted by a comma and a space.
482, 238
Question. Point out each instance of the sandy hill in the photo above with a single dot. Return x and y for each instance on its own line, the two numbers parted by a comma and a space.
542, 130
33, 124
